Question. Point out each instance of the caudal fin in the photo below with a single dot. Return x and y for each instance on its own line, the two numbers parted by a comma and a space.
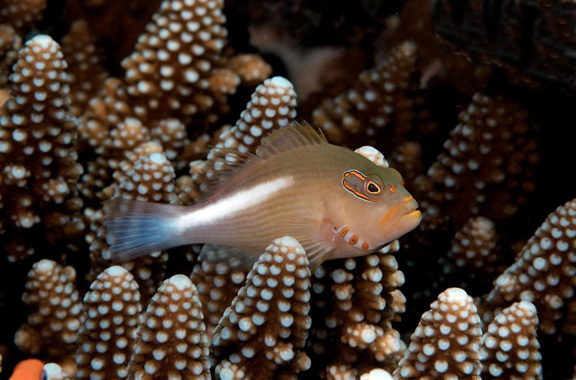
137, 228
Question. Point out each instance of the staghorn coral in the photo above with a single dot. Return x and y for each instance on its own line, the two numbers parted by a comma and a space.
487, 167
21, 14
10, 44
86, 69
355, 328
475, 253
37, 151
268, 320
56, 312
177, 68
112, 307
53, 371
217, 282
272, 105
381, 100
510, 349
170, 339
251, 69
543, 274
446, 343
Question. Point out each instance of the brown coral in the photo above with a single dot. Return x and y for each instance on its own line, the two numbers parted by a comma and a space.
543, 273
446, 343
217, 281
171, 342
21, 14
510, 349
487, 167
56, 312
355, 302
380, 100
268, 322
272, 105
113, 308
37, 151
170, 71
10, 44
86, 69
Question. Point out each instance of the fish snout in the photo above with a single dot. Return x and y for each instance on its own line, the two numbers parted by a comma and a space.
405, 212
411, 207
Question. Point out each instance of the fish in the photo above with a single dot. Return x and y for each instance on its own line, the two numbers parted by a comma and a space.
335, 202
28, 369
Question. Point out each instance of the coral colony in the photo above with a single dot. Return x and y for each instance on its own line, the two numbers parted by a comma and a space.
470, 100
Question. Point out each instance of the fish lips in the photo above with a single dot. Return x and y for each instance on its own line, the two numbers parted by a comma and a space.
401, 219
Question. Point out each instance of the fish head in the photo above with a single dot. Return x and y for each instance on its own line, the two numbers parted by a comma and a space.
374, 208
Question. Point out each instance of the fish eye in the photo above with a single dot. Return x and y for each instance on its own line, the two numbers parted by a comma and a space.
373, 188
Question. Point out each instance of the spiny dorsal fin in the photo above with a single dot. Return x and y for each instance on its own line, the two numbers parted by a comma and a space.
292, 136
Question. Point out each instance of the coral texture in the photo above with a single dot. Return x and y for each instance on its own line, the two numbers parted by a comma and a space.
268, 321
170, 340
56, 311
510, 349
446, 343
37, 150
108, 336
543, 273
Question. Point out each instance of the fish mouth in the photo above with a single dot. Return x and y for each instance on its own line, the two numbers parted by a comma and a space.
402, 218
411, 208
412, 216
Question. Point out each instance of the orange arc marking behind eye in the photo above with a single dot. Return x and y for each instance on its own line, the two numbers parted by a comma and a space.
362, 177
344, 231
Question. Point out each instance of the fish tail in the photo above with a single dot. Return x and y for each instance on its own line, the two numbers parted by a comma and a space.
137, 228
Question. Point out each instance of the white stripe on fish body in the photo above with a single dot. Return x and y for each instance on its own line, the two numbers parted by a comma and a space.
227, 208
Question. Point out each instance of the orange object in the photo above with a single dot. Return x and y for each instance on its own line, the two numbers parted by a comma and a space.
29, 369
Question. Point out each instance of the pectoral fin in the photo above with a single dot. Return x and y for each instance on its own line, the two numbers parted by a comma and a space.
313, 236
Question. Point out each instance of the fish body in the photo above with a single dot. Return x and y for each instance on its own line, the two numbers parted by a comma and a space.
335, 202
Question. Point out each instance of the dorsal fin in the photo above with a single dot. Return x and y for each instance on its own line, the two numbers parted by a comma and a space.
292, 136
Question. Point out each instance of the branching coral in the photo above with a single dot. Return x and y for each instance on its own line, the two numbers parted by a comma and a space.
21, 14
487, 167
56, 312
170, 340
355, 302
544, 273
272, 105
510, 349
37, 152
475, 255
112, 308
268, 321
380, 100
446, 343
10, 44
86, 69
171, 72
217, 282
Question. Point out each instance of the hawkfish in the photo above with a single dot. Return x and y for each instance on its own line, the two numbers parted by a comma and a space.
334, 201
